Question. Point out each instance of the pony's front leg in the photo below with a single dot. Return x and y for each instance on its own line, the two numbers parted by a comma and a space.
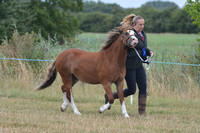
104, 107
124, 112
107, 88
73, 104
120, 85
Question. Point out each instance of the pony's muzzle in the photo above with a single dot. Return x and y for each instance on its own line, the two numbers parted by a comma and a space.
132, 42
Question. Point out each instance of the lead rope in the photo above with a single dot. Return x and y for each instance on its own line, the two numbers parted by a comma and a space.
147, 61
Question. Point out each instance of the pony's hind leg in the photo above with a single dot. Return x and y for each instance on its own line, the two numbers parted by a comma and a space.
73, 105
65, 100
74, 81
68, 97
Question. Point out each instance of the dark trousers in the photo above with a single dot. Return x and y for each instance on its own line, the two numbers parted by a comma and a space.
132, 77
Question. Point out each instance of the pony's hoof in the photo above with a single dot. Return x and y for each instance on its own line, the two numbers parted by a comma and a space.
100, 111
104, 108
62, 110
77, 113
109, 107
63, 107
126, 115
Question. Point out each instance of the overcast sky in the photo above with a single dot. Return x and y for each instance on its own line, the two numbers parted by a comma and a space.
138, 3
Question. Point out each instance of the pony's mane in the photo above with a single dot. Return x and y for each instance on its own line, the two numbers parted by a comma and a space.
112, 36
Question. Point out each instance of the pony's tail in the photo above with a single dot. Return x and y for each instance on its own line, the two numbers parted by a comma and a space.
52, 73
127, 20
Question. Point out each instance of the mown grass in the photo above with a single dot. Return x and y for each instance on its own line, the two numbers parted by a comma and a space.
172, 105
29, 111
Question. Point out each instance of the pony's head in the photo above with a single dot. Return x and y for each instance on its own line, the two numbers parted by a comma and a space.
128, 38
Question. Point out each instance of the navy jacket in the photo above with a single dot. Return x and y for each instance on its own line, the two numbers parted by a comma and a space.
132, 60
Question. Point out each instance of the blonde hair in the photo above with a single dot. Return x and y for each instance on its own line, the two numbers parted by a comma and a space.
130, 20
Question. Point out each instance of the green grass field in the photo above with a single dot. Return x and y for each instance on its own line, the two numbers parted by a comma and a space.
172, 105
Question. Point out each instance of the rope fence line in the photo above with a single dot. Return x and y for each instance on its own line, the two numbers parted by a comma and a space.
170, 63
131, 98
24, 59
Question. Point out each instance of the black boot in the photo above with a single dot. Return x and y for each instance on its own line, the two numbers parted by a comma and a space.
142, 104
106, 98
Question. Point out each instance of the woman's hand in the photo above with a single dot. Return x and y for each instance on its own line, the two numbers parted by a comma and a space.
151, 53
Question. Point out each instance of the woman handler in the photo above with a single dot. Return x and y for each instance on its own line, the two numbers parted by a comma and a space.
135, 73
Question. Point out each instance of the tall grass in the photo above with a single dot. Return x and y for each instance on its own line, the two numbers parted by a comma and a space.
177, 48
172, 105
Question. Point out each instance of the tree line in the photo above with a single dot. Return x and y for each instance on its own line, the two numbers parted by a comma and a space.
159, 17
52, 18
61, 19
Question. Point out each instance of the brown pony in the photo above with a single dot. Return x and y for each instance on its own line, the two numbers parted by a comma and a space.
104, 67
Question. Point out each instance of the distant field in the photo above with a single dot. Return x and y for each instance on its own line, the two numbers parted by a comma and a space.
167, 47
172, 105
169, 44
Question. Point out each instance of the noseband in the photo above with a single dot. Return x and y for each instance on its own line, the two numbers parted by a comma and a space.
126, 39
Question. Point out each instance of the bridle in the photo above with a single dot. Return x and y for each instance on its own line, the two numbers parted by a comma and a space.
127, 40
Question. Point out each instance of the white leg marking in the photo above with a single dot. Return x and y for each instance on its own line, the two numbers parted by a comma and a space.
104, 107
65, 102
73, 105
124, 112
